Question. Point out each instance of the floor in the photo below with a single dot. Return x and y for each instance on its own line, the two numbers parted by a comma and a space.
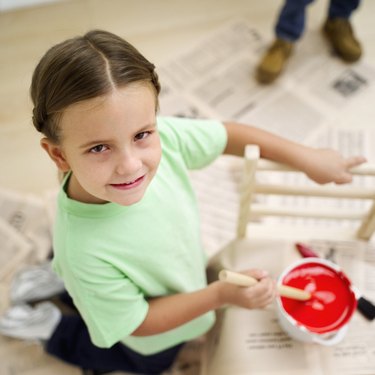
158, 28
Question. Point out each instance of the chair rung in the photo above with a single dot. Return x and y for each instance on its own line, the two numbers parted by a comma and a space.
316, 191
366, 169
258, 210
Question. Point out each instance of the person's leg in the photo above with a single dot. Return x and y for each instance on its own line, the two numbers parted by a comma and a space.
71, 343
291, 21
342, 8
339, 31
289, 28
65, 298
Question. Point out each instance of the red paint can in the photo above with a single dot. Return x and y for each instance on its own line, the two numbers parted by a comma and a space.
324, 318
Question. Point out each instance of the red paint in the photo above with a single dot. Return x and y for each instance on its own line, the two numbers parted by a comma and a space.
306, 251
332, 303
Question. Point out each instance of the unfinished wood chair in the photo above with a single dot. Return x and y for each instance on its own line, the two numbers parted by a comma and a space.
252, 187
254, 232
271, 246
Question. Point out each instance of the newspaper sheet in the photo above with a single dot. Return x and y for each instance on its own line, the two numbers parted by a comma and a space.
214, 79
312, 104
14, 250
25, 231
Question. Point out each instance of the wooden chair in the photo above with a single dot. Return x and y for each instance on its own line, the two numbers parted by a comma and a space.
270, 246
253, 232
249, 209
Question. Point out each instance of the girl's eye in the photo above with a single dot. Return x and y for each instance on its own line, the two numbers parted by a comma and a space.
142, 135
98, 149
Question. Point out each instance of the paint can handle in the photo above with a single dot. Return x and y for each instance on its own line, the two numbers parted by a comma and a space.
334, 339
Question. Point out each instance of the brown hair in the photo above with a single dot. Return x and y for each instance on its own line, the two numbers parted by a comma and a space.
82, 68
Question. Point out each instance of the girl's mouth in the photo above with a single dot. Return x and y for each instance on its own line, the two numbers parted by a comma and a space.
129, 185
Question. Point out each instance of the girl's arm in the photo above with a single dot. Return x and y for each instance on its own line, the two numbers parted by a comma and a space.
321, 165
166, 313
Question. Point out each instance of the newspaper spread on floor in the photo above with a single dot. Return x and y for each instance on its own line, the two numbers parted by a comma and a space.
25, 231
312, 103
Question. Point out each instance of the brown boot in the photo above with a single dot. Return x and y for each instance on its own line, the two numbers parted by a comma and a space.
340, 34
274, 61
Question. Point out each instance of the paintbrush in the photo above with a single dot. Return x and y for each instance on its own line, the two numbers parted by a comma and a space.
364, 306
245, 280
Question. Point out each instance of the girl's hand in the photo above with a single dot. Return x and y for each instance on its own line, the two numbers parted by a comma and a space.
253, 297
326, 165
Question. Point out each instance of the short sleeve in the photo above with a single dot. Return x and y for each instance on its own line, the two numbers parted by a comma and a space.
200, 142
111, 305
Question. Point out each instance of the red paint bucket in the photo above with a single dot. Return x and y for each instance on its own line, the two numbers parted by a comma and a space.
324, 318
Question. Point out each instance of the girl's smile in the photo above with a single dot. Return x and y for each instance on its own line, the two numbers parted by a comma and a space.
129, 185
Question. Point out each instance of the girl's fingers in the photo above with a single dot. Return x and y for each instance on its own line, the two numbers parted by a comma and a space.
256, 273
350, 162
262, 294
354, 161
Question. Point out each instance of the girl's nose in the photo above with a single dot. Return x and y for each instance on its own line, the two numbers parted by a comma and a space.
128, 163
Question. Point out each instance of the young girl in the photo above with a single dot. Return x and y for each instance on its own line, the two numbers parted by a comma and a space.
127, 235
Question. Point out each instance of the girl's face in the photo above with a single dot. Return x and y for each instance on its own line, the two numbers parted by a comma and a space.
111, 145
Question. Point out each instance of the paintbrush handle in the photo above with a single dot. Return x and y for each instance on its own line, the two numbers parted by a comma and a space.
294, 293
244, 280
237, 278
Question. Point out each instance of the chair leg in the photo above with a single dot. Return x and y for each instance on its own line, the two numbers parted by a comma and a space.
367, 227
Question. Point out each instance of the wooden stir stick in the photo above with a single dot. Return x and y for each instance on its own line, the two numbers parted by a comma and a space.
244, 280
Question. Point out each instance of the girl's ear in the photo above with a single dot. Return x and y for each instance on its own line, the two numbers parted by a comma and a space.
56, 154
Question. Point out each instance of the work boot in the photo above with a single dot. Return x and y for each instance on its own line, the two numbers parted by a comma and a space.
274, 61
340, 34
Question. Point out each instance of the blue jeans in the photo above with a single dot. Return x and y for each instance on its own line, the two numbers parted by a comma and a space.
71, 343
291, 21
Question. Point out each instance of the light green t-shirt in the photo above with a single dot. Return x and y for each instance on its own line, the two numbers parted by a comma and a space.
113, 258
